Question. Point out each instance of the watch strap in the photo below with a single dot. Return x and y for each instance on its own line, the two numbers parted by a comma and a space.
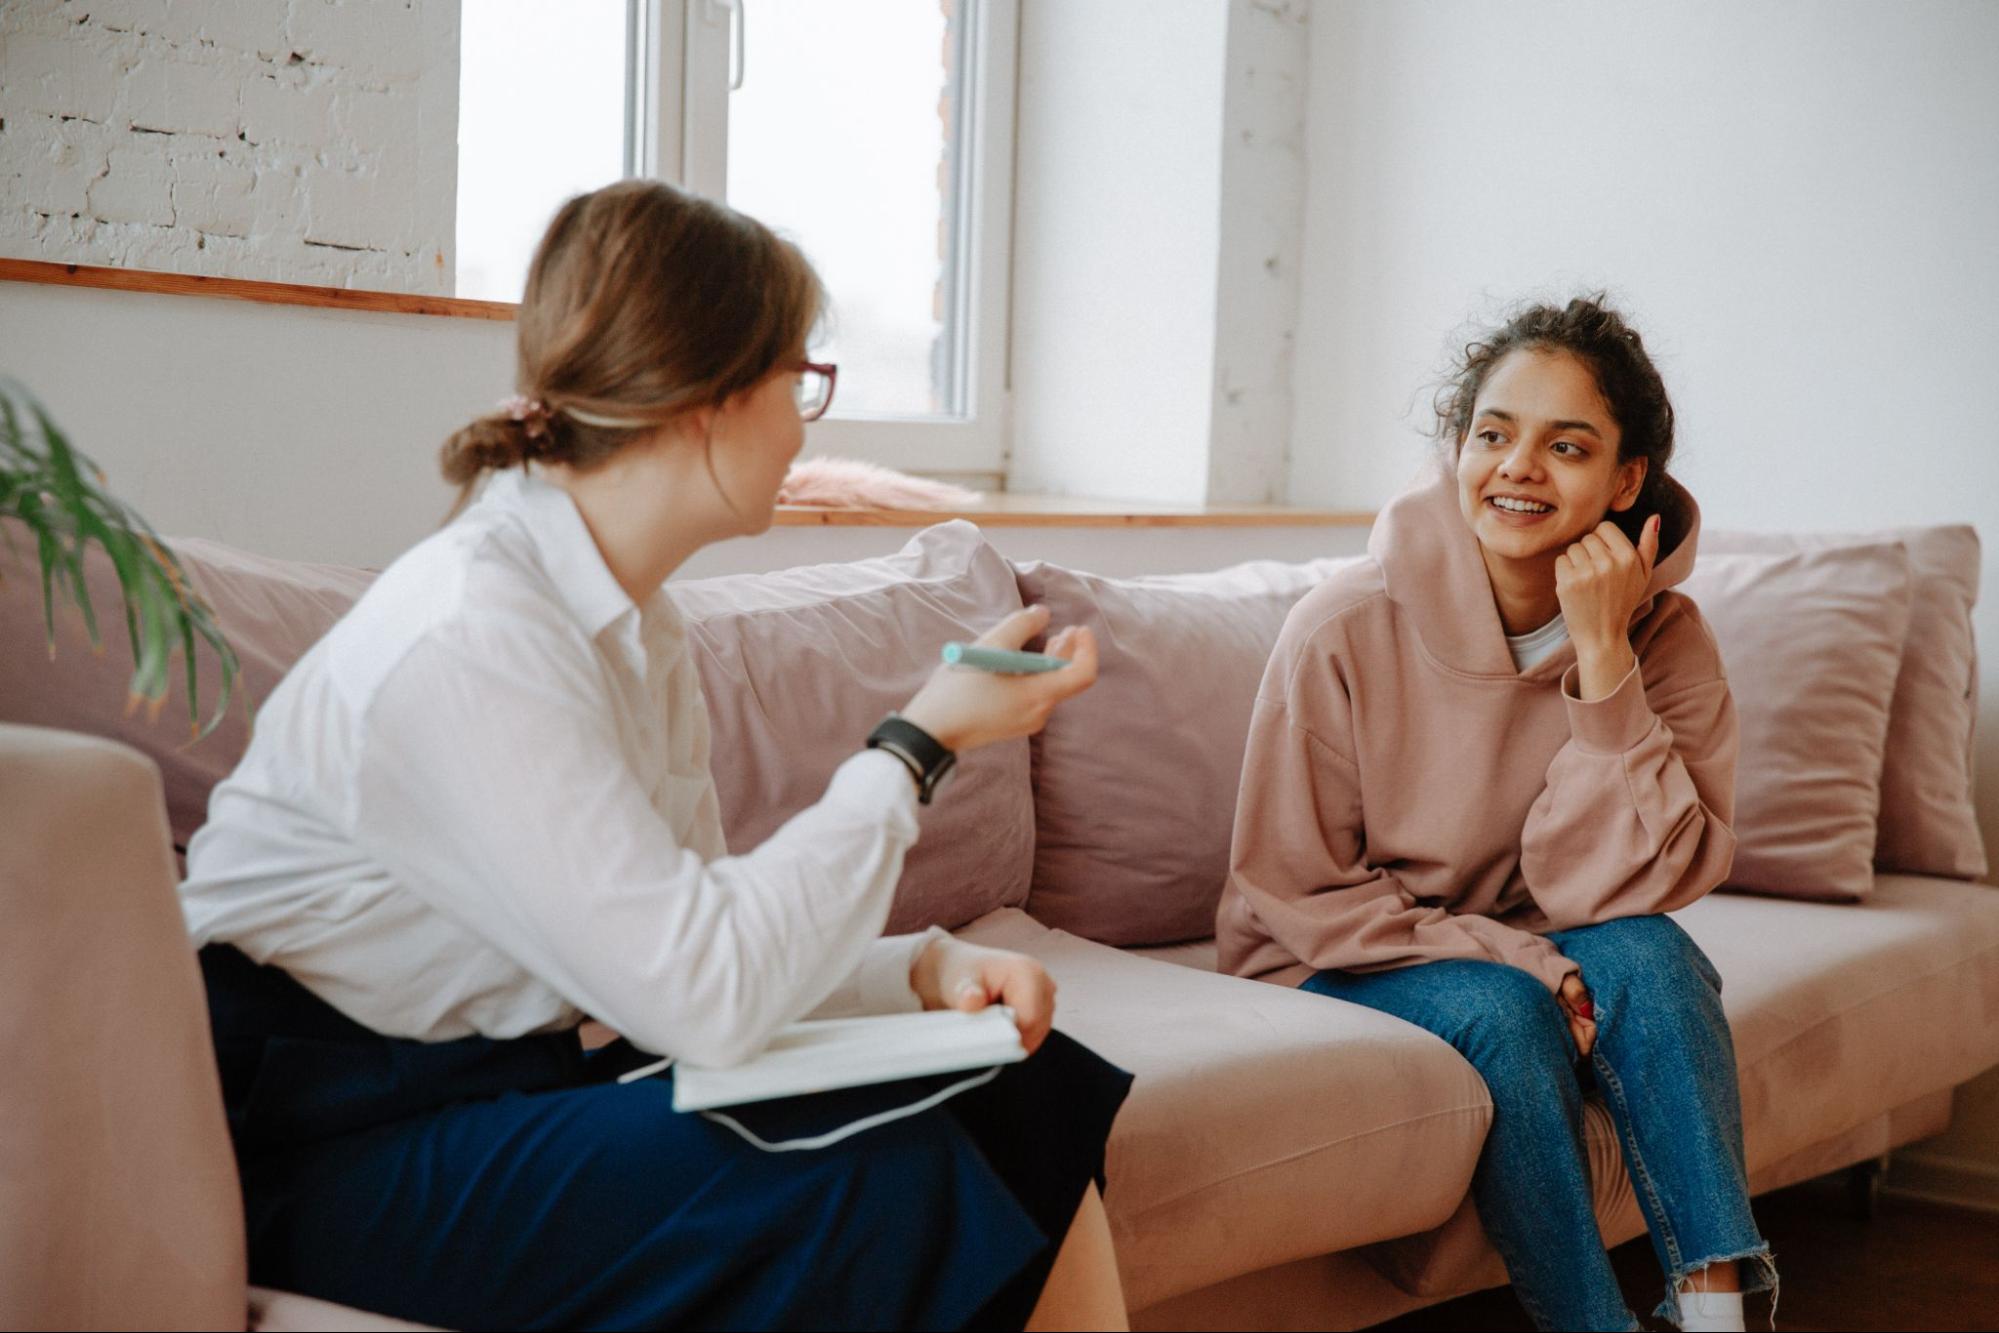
924, 755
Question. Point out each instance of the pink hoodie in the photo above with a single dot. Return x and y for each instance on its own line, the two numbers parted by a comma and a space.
1408, 796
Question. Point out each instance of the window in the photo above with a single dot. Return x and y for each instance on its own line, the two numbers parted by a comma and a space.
875, 133
541, 117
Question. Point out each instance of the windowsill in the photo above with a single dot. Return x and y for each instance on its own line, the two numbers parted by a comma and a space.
1061, 511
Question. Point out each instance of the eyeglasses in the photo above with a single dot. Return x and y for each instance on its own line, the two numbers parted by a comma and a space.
815, 387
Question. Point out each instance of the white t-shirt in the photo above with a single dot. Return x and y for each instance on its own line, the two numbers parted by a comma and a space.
1537, 645
482, 804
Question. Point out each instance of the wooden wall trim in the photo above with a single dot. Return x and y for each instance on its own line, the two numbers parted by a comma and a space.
1038, 511
243, 289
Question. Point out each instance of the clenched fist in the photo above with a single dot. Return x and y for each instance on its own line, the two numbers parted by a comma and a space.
1600, 581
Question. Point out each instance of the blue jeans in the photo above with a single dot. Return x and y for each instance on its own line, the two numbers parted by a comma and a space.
1666, 1066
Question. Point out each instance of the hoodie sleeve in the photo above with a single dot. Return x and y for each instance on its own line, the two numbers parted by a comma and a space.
1635, 817
1299, 857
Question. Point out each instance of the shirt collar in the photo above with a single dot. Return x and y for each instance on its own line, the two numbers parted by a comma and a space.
589, 591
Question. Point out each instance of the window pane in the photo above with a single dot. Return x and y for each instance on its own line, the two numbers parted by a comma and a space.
541, 117
840, 137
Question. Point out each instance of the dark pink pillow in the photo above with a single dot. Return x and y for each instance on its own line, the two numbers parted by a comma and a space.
798, 666
1928, 824
1812, 642
271, 611
1135, 782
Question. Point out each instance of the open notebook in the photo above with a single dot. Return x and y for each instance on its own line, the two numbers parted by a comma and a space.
819, 1055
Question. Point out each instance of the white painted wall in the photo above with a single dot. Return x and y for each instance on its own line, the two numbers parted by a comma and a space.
1796, 200
1115, 237
304, 433
1158, 206
313, 141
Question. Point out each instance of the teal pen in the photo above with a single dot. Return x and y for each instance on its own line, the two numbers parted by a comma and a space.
1000, 660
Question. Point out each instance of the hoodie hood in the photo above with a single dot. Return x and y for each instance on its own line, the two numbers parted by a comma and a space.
1433, 572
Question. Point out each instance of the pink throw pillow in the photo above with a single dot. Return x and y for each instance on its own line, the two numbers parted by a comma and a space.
1812, 642
798, 666
1929, 824
1135, 782
271, 611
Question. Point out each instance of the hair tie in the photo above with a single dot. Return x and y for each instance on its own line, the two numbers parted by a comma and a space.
532, 413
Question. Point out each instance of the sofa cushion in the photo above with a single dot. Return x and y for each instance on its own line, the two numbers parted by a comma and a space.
1135, 783
799, 665
271, 611
1841, 1012
1928, 824
1812, 642
1265, 1124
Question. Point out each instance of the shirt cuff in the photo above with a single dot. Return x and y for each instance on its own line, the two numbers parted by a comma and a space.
1553, 967
874, 781
1613, 724
879, 983
888, 991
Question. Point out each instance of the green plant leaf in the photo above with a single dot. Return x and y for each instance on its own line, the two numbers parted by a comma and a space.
58, 494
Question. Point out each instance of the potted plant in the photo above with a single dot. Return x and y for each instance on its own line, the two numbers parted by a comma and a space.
58, 495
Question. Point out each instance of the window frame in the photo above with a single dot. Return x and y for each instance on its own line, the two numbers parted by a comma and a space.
678, 79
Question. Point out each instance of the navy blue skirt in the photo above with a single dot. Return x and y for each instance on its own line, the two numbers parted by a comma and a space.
515, 1184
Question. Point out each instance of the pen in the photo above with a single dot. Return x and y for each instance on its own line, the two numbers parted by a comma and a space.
1000, 660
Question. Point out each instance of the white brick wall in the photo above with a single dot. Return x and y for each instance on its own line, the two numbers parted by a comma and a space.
310, 141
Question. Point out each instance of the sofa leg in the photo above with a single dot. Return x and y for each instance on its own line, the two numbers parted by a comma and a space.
1863, 1187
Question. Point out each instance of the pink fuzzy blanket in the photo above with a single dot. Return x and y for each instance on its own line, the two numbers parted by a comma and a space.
848, 483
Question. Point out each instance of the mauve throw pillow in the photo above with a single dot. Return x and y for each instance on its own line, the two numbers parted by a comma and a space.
271, 611
799, 665
1812, 641
1135, 782
1929, 824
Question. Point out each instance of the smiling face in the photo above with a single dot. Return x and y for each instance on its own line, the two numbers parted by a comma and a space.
1538, 467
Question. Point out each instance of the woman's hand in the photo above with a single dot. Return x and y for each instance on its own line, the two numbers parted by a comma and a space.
1600, 581
1580, 1011
965, 709
951, 974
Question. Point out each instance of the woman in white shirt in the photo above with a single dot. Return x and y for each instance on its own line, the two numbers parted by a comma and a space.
478, 815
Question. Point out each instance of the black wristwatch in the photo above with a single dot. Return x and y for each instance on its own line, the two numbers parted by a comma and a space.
926, 758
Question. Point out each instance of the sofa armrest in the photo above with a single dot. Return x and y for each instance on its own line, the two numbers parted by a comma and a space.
119, 1204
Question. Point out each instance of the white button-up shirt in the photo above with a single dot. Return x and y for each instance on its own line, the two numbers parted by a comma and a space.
482, 804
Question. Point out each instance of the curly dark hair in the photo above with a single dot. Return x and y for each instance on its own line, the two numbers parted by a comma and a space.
1598, 336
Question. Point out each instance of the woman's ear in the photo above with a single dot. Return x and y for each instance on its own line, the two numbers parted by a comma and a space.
1630, 481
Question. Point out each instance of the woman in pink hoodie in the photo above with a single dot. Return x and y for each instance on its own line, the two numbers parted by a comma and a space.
1482, 765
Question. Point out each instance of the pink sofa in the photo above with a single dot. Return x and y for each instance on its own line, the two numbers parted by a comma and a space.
1285, 1161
